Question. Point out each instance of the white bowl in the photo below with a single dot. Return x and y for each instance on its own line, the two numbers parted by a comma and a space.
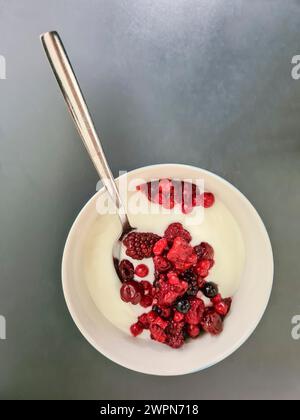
151, 357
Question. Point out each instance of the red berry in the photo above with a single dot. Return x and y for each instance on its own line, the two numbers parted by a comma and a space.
151, 316
175, 230
193, 330
175, 337
204, 251
168, 202
147, 287
131, 291
166, 313
136, 329
160, 246
182, 254
162, 323
126, 270
161, 264
141, 270
157, 333
196, 311
166, 293
208, 199
143, 319
223, 307
166, 186
211, 322
173, 278
146, 301
203, 267
140, 245
178, 316
201, 282
217, 299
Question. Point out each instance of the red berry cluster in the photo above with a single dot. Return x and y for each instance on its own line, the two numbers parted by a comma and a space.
169, 192
177, 312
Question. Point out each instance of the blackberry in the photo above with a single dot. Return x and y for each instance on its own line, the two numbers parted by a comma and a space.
140, 245
189, 276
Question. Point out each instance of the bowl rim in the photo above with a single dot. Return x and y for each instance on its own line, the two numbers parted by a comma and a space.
248, 333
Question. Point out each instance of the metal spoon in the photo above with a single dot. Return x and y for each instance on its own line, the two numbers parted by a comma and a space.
71, 91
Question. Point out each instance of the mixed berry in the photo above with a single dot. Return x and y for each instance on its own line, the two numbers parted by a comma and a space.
178, 310
171, 192
182, 302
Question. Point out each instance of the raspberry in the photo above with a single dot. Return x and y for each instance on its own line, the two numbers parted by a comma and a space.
143, 319
173, 278
175, 230
204, 251
178, 316
136, 329
160, 246
211, 322
131, 291
196, 311
161, 264
141, 270
140, 245
193, 330
175, 337
157, 333
161, 322
126, 270
203, 268
151, 316
167, 293
223, 307
182, 254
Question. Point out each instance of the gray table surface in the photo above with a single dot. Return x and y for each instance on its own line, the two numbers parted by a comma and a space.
204, 82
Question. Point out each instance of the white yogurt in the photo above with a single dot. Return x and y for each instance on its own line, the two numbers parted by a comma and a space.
215, 226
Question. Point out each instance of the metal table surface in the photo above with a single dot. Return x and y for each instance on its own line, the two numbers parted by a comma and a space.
204, 82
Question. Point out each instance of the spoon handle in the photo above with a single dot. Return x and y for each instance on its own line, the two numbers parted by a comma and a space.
74, 98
